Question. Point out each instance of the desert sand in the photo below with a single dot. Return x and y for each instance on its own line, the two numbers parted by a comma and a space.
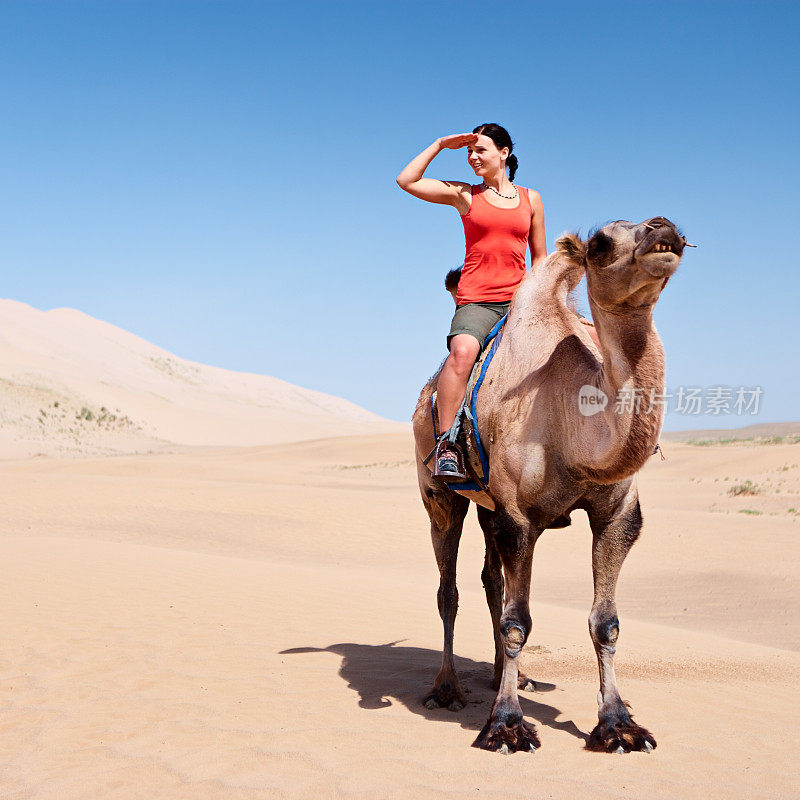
231, 621
261, 622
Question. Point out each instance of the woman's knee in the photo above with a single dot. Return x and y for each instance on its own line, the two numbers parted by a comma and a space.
463, 354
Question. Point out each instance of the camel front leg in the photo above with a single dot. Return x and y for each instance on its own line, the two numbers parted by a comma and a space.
613, 537
506, 730
447, 511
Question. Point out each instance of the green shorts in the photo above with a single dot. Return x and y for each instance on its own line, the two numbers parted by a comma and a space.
476, 319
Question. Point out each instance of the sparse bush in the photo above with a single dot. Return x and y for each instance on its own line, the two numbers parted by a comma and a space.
748, 487
749, 440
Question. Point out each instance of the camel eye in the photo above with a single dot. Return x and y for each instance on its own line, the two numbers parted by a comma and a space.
600, 248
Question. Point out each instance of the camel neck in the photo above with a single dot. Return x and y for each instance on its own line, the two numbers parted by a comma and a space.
541, 333
632, 378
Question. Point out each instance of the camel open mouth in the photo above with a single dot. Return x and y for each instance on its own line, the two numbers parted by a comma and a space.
659, 253
661, 247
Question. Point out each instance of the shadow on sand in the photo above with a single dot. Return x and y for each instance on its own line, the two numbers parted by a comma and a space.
381, 672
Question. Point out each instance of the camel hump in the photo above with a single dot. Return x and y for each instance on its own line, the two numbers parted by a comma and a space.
572, 247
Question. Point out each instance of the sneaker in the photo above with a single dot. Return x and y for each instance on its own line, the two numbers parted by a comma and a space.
448, 461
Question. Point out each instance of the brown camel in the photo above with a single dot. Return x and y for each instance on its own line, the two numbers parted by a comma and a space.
553, 447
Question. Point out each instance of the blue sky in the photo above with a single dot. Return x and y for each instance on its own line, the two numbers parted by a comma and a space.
218, 177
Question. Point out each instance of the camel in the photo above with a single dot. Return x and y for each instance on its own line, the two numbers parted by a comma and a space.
549, 455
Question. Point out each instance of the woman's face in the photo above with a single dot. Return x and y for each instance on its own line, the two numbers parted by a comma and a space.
484, 157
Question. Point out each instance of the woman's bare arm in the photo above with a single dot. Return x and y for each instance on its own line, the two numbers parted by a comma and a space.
434, 191
536, 237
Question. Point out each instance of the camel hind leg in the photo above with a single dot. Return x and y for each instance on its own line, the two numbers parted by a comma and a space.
506, 730
614, 530
493, 585
447, 511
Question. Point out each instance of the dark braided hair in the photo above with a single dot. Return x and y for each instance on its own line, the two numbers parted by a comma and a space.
500, 136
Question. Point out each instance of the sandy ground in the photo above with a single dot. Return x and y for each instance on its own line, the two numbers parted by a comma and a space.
261, 622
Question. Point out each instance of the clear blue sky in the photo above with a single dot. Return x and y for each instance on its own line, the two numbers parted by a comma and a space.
218, 177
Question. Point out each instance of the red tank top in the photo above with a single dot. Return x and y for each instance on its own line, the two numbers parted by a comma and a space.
497, 239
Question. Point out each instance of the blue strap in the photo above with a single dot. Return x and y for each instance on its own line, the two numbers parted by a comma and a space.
494, 331
493, 334
469, 486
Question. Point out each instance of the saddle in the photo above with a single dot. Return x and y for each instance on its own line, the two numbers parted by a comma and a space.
465, 431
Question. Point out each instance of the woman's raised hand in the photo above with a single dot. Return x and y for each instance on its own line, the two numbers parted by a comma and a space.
456, 140
445, 192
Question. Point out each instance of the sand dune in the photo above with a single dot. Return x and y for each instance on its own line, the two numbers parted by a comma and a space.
261, 623
72, 384
758, 431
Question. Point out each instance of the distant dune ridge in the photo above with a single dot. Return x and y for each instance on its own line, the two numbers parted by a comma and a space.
757, 432
72, 384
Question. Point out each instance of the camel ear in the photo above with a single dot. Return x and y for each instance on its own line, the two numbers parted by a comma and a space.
572, 247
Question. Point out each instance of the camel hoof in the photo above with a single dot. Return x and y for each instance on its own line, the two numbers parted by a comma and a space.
614, 735
445, 696
499, 737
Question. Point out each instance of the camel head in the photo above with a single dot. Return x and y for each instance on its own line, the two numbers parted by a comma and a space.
627, 265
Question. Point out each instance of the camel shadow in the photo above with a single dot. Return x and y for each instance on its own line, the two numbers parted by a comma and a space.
380, 672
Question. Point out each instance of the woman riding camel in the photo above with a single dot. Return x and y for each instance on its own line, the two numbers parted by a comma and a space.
500, 221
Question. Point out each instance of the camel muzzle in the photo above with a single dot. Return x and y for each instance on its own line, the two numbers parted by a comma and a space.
664, 239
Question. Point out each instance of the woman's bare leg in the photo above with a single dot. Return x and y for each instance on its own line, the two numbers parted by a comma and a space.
454, 376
